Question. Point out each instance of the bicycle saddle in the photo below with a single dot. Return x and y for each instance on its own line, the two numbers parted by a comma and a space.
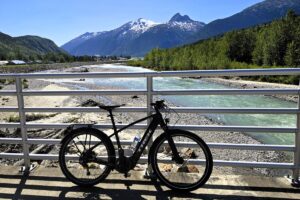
109, 108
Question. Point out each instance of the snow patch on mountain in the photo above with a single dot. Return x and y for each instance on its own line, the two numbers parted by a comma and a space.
188, 26
142, 25
89, 35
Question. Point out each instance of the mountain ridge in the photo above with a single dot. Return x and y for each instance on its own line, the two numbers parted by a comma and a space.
121, 40
260, 13
25, 46
179, 30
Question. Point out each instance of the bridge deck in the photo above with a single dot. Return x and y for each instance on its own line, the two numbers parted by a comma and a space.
49, 183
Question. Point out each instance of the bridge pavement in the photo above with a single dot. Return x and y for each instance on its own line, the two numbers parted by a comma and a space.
49, 183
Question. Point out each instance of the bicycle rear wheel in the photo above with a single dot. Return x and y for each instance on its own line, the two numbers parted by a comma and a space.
196, 160
78, 163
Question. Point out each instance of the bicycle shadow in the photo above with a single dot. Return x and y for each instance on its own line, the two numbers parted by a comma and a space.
29, 187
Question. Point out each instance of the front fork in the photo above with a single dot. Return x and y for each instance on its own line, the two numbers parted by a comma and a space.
149, 174
176, 157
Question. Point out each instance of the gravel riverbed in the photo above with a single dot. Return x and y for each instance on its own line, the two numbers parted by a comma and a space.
244, 84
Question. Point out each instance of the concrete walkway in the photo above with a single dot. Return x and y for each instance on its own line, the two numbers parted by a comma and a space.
49, 183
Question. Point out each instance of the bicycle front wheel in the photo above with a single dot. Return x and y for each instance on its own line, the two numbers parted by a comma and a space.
194, 167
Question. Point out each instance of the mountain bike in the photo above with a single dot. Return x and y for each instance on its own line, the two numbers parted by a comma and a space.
179, 159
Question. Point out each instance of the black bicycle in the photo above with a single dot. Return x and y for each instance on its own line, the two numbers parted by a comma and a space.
179, 159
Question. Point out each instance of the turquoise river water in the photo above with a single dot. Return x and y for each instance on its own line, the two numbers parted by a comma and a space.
241, 101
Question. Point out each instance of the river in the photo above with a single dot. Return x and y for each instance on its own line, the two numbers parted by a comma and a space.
242, 101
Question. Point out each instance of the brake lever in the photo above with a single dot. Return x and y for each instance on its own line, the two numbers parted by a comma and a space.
165, 106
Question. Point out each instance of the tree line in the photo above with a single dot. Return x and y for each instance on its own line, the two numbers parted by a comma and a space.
276, 44
56, 57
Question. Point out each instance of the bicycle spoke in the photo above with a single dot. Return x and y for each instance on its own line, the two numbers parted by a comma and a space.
81, 143
85, 139
96, 145
90, 141
85, 170
77, 148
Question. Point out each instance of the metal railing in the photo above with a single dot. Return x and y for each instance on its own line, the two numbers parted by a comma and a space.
150, 92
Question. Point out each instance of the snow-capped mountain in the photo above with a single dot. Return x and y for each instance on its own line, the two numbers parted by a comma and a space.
141, 25
134, 28
80, 39
125, 39
129, 30
136, 38
173, 33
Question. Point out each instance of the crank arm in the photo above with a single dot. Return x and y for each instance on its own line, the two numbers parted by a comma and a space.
103, 162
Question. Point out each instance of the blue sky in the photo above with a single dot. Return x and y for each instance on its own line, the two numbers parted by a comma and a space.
62, 20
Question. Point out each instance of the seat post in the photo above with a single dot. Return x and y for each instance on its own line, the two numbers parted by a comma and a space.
112, 120
114, 127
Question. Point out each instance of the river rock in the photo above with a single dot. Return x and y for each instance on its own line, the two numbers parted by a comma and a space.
90, 103
188, 169
188, 152
167, 167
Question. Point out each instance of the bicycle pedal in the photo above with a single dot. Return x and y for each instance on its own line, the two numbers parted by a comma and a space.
128, 174
150, 176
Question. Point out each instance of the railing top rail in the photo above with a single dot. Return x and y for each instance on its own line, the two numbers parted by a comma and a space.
189, 73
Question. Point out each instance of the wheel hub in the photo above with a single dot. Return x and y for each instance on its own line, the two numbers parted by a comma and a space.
86, 157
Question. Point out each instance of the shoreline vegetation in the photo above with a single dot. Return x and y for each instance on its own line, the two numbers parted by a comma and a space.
272, 45
27, 68
123, 118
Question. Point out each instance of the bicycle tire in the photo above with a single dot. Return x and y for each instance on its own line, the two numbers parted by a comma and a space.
158, 172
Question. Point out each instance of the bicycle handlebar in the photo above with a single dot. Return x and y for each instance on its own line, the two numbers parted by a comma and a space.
159, 104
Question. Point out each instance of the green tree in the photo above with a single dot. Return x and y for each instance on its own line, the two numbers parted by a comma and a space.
241, 46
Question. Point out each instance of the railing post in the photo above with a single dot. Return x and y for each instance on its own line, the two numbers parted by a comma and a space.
149, 171
22, 117
297, 145
149, 96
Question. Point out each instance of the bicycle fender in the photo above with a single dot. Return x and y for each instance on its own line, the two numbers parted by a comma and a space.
73, 127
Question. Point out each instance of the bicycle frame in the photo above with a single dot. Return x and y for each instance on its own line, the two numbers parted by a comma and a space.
156, 119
